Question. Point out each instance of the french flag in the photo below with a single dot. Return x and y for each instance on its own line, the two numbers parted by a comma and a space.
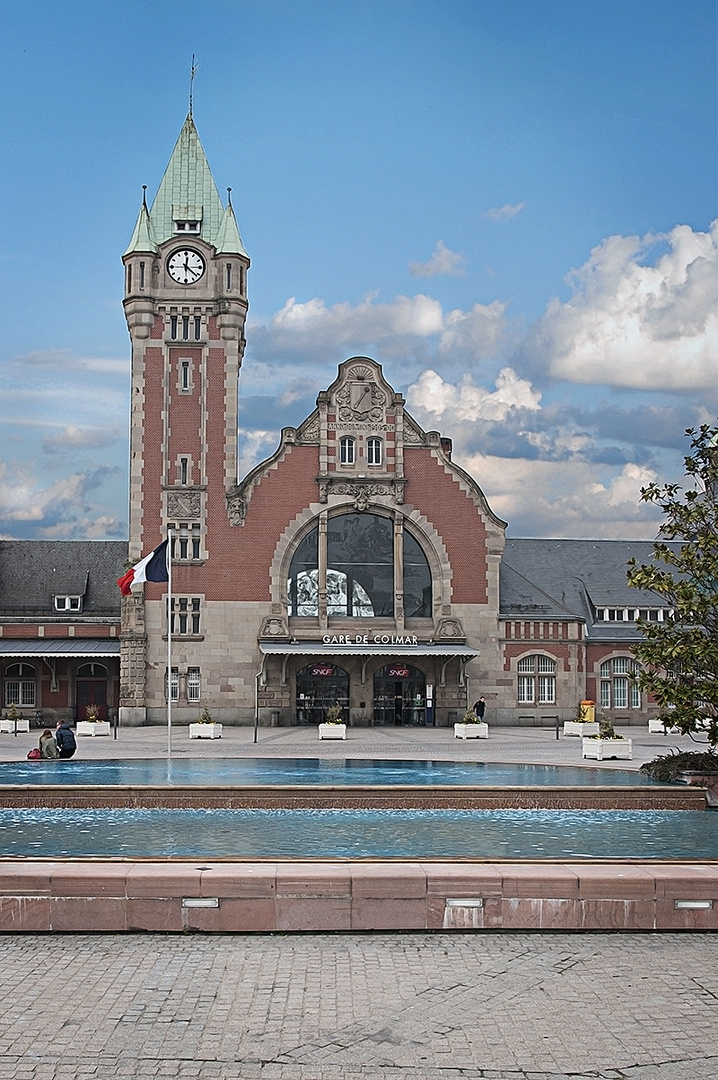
152, 568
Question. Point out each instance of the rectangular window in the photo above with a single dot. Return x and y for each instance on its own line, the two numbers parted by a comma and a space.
228, 277
68, 603
605, 694
20, 692
620, 693
184, 470
185, 327
197, 327
174, 685
142, 275
173, 327
129, 278
373, 451
193, 684
635, 696
526, 689
184, 375
546, 689
347, 451
185, 615
195, 542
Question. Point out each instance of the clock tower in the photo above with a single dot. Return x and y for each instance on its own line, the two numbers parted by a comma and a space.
185, 300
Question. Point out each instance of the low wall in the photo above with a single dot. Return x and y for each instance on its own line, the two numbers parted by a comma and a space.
359, 797
261, 897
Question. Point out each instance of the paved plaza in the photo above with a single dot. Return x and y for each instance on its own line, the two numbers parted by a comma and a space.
374, 1006
530, 745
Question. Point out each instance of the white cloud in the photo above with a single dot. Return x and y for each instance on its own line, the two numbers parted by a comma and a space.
443, 261
430, 394
400, 329
501, 213
639, 323
564, 498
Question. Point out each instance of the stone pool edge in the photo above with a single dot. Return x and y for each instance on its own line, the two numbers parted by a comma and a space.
356, 797
111, 896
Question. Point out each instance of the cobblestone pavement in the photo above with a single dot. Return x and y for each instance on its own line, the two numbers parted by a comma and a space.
360, 1007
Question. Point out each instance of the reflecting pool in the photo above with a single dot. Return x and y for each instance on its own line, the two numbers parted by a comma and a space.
346, 834
207, 772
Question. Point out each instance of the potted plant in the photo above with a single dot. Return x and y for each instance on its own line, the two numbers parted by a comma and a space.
92, 725
584, 721
470, 727
607, 744
14, 721
333, 726
205, 727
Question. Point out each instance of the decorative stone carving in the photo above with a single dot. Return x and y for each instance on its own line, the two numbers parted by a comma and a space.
360, 398
412, 434
273, 627
309, 432
449, 628
236, 508
361, 490
184, 505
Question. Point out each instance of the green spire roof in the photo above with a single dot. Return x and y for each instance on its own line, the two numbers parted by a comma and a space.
187, 192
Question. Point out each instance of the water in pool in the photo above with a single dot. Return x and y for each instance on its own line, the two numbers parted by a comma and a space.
240, 772
416, 834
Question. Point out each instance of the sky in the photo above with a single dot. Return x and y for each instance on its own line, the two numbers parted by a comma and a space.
511, 205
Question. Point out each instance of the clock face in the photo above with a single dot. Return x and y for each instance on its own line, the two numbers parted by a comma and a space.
185, 266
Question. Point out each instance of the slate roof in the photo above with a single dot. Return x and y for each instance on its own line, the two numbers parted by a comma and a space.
33, 572
187, 191
554, 579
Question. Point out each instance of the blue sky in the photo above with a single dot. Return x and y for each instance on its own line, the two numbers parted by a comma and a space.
509, 204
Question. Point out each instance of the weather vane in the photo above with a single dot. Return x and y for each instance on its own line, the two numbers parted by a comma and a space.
192, 74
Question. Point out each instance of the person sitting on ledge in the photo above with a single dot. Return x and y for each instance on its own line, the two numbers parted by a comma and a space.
65, 739
48, 746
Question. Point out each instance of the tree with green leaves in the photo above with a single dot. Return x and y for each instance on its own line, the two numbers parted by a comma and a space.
679, 656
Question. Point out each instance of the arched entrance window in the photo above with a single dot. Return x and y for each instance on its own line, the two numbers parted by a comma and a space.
320, 685
91, 689
20, 686
360, 575
399, 695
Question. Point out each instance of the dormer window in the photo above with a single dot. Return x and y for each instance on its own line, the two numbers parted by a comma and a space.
187, 226
68, 603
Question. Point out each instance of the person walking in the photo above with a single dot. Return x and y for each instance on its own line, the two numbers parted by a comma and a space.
65, 739
480, 708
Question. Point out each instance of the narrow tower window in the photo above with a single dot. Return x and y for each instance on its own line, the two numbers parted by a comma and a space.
229, 276
184, 375
173, 327
197, 327
142, 275
185, 327
184, 470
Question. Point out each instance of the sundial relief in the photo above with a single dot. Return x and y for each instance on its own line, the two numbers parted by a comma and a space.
360, 400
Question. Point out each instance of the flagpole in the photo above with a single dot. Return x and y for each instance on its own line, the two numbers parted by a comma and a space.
169, 643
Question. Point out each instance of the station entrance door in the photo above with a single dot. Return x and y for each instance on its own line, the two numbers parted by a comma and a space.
399, 695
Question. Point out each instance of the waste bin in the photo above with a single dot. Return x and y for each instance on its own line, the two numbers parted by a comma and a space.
588, 712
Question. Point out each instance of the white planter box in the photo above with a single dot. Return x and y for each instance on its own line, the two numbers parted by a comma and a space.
575, 727
655, 727
93, 727
471, 731
607, 748
23, 725
205, 731
332, 731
